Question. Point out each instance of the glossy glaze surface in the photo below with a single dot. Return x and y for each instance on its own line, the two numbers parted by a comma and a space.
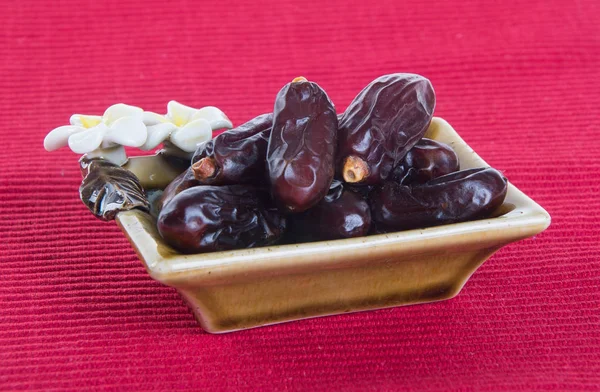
108, 189
153, 171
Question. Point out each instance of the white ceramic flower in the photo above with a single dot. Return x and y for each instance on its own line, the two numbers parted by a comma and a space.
183, 126
101, 136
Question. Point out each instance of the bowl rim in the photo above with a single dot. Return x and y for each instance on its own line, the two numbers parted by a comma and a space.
164, 264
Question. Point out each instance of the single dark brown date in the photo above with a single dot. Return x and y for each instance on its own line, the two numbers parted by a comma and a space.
385, 120
236, 156
341, 214
456, 197
427, 160
182, 182
211, 218
302, 146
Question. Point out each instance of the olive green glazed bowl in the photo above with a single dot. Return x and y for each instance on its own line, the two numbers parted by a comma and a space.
234, 290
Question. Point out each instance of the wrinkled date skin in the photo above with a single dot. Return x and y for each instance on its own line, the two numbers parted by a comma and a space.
210, 218
385, 120
302, 146
341, 214
456, 197
182, 182
236, 156
427, 160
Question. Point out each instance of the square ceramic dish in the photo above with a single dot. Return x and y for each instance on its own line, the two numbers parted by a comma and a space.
247, 288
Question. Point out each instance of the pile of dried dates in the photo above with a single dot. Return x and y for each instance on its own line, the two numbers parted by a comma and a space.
305, 173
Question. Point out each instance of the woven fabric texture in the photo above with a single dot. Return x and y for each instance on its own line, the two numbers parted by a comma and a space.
519, 80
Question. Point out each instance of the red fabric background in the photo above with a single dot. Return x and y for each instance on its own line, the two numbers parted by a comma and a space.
518, 80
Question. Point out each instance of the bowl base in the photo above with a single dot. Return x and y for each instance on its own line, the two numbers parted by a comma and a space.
381, 284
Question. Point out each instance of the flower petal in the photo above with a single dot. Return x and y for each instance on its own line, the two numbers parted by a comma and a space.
151, 118
89, 140
79, 119
192, 134
127, 131
179, 114
120, 110
215, 116
58, 137
157, 134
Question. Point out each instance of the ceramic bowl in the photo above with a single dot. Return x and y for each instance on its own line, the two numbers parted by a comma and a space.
247, 288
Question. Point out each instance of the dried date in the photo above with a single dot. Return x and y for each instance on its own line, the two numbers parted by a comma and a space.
456, 197
302, 145
182, 182
385, 120
210, 218
236, 156
427, 160
341, 214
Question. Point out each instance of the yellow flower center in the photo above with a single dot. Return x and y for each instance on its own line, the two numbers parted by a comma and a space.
178, 119
89, 122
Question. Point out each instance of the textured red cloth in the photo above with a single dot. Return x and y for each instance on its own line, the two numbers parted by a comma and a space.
520, 82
